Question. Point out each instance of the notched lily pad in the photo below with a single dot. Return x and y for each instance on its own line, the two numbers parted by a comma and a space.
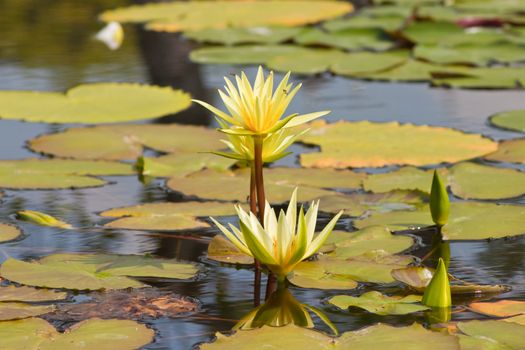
361, 144
92, 271
511, 151
513, 120
93, 104
501, 308
9, 232
380, 304
92, 334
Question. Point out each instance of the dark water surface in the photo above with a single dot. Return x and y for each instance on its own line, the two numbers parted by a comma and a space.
48, 45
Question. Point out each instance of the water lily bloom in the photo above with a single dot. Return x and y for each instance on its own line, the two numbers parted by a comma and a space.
280, 243
258, 110
437, 293
439, 201
112, 35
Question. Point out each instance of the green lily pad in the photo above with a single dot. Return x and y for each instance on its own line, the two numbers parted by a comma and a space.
234, 186
246, 54
9, 232
250, 35
175, 16
93, 272
361, 144
511, 151
293, 337
431, 32
479, 78
363, 64
405, 178
411, 71
313, 61
387, 23
467, 221
166, 216
506, 333
475, 181
357, 204
92, 334
380, 304
490, 6
93, 104
514, 120
29, 294
15, 311
222, 250
342, 245
181, 164
500, 308
319, 178
126, 142
42, 174
516, 319
348, 39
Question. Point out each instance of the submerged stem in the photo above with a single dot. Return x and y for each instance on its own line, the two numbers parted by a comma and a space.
253, 209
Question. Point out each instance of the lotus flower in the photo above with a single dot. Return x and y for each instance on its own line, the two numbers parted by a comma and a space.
437, 293
439, 201
258, 110
112, 35
282, 243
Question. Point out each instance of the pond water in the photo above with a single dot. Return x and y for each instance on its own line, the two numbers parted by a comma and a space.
48, 45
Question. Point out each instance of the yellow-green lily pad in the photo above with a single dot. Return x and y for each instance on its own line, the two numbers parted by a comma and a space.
380, 304
92, 271
9, 232
348, 39
181, 164
29, 294
42, 174
166, 216
362, 144
93, 104
508, 334
250, 35
387, 23
91, 334
126, 142
405, 178
467, 221
15, 311
431, 32
222, 250
185, 16
500, 308
513, 120
479, 78
511, 151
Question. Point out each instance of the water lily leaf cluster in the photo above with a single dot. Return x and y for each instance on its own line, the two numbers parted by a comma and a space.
93, 104
380, 304
92, 271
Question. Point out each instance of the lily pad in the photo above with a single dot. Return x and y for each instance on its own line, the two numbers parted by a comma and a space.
411, 70
467, 221
15, 311
314, 61
479, 78
246, 54
387, 23
93, 104
234, 186
361, 144
9, 232
506, 333
222, 250
92, 334
250, 35
29, 294
364, 64
511, 151
126, 142
166, 216
501, 308
43, 174
430, 32
357, 204
516, 319
380, 304
348, 39
475, 181
181, 164
175, 16
342, 245
405, 178
514, 120
93, 272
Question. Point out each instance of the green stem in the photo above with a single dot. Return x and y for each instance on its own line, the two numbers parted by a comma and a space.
253, 209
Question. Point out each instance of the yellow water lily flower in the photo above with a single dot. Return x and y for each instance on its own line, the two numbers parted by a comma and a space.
282, 243
258, 110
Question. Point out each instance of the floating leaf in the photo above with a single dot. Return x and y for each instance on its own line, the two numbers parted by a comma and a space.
357, 204
246, 54
93, 104
405, 178
380, 304
479, 78
43, 174
181, 164
516, 319
314, 60
431, 32
363, 64
175, 16
411, 70
126, 142
513, 120
166, 216
348, 39
92, 334
468, 220
9, 232
15, 311
42, 219
501, 308
361, 144
222, 250
93, 272
250, 35
29, 294
512, 151
506, 333
387, 23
